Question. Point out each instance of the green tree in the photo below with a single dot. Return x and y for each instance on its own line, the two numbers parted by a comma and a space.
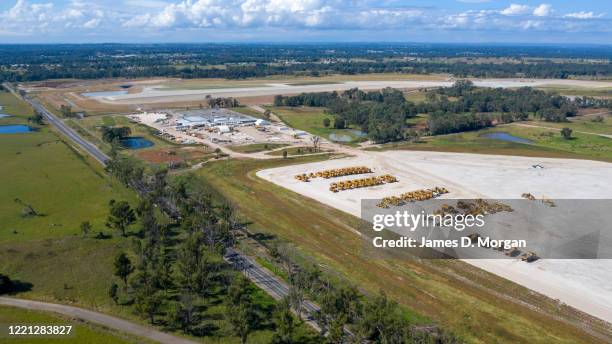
121, 216
284, 322
37, 118
113, 292
284, 154
123, 267
566, 133
85, 228
326, 122
382, 321
148, 302
339, 123
6, 284
240, 312
182, 313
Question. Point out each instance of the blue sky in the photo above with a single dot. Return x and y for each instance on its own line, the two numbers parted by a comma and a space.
83, 21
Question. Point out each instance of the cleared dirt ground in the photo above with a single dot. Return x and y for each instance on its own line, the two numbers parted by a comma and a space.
583, 284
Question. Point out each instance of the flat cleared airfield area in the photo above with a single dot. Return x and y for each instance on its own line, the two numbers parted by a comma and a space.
159, 94
583, 284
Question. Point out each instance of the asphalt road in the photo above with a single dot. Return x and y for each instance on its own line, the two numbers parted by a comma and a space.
87, 146
269, 283
97, 318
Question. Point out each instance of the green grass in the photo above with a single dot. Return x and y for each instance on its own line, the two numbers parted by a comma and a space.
15, 107
47, 251
604, 92
581, 123
546, 143
312, 82
82, 332
293, 151
248, 111
92, 125
257, 147
416, 97
311, 120
462, 298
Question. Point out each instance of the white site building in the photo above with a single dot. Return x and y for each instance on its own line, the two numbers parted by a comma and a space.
212, 118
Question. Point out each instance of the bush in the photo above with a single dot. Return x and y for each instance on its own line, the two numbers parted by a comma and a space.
6, 285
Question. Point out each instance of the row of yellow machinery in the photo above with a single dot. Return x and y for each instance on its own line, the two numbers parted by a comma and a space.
361, 183
412, 196
335, 172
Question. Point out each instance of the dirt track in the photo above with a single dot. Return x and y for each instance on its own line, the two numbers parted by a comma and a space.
97, 318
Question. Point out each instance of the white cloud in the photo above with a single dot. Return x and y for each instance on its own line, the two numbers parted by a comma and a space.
515, 9
159, 18
30, 18
584, 15
319, 14
544, 10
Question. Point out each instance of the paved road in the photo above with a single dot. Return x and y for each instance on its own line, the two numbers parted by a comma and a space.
272, 285
89, 147
97, 318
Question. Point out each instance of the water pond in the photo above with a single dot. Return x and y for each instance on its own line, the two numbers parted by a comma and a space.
348, 137
503, 136
15, 129
136, 143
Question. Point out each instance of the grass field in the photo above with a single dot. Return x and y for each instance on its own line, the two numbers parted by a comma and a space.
248, 111
47, 251
581, 123
18, 110
91, 125
580, 91
82, 332
546, 143
311, 120
462, 298
257, 147
292, 151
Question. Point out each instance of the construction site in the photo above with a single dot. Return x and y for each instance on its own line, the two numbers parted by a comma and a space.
414, 176
218, 127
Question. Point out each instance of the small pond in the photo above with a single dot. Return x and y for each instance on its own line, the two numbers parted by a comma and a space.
503, 136
3, 115
103, 94
136, 143
15, 129
350, 136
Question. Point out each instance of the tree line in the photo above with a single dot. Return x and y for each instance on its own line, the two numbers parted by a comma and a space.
20, 63
381, 114
464, 107
174, 270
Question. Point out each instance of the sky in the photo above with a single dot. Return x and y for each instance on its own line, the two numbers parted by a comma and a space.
166, 21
